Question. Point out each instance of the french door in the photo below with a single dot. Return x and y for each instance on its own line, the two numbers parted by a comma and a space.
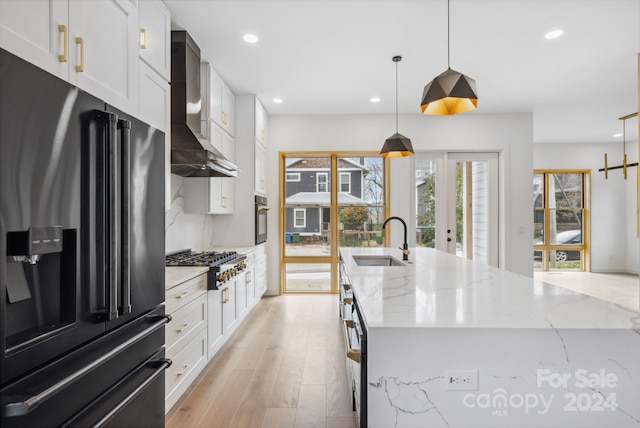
457, 204
327, 200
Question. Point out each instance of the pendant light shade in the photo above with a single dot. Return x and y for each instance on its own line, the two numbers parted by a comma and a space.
450, 92
397, 145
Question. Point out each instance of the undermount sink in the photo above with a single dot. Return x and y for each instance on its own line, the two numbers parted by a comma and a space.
375, 260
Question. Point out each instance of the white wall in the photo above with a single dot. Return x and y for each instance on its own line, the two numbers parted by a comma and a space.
509, 134
614, 246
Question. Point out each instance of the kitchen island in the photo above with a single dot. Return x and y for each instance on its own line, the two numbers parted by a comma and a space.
448, 342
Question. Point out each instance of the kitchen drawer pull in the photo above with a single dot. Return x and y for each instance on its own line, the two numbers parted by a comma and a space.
182, 295
80, 43
181, 329
22, 408
65, 43
184, 369
352, 353
160, 366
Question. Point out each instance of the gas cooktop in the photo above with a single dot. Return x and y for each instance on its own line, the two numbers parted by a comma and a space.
199, 258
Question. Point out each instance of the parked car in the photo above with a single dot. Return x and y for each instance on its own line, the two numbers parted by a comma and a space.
567, 237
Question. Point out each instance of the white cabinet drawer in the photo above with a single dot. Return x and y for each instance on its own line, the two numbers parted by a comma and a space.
186, 323
186, 366
186, 292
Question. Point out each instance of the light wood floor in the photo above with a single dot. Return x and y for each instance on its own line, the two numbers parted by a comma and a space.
283, 367
620, 288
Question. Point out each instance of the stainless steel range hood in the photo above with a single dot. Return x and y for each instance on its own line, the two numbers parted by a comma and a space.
191, 154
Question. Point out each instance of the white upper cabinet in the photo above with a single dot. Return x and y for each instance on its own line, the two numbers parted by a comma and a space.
155, 36
91, 44
261, 123
219, 103
103, 46
37, 31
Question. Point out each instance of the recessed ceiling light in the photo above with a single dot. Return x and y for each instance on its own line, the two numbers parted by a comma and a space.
374, 99
250, 38
618, 135
277, 100
554, 34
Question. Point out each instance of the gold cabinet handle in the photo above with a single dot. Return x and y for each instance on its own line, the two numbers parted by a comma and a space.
181, 329
352, 353
143, 38
80, 42
263, 135
225, 118
182, 295
224, 202
184, 369
65, 43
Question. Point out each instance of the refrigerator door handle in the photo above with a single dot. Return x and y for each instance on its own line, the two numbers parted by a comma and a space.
22, 408
125, 141
113, 224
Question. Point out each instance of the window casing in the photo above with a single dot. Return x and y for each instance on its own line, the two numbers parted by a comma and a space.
299, 217
293, 176
345, 182
322, 182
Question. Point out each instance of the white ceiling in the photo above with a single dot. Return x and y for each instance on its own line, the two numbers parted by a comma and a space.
332, 56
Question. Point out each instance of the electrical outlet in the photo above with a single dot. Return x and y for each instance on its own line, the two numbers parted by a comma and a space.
461, 380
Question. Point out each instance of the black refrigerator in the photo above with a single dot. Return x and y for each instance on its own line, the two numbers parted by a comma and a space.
81, 257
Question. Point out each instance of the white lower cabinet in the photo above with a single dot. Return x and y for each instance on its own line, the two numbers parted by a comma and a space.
261, 270
214, 322
185, 335
222, 316
229, 308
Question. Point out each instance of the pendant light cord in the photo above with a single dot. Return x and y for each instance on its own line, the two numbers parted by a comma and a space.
397, 91
397, 59
448, 36
624, 144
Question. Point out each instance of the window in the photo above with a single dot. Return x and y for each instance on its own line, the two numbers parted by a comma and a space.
560, 203
345, 182
299, 217
322, 182
293, 176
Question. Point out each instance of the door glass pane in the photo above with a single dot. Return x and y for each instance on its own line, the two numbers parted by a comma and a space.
426, 203
360, 204
308, 276
472, 210
307, 211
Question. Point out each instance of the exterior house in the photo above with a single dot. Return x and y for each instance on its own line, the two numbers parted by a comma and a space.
308, 188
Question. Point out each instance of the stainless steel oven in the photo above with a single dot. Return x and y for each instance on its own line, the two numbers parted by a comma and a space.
261, 219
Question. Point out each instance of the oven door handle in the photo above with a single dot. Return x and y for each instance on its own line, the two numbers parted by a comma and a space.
263, 208
21, 408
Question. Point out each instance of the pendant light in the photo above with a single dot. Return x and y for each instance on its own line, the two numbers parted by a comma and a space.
397, 145
451, 92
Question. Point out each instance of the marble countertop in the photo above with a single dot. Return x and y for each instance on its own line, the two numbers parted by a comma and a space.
175, 275
439, 290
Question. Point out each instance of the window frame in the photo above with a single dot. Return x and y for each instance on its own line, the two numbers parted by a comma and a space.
340, 182
304, 217
326, 182
293, 180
